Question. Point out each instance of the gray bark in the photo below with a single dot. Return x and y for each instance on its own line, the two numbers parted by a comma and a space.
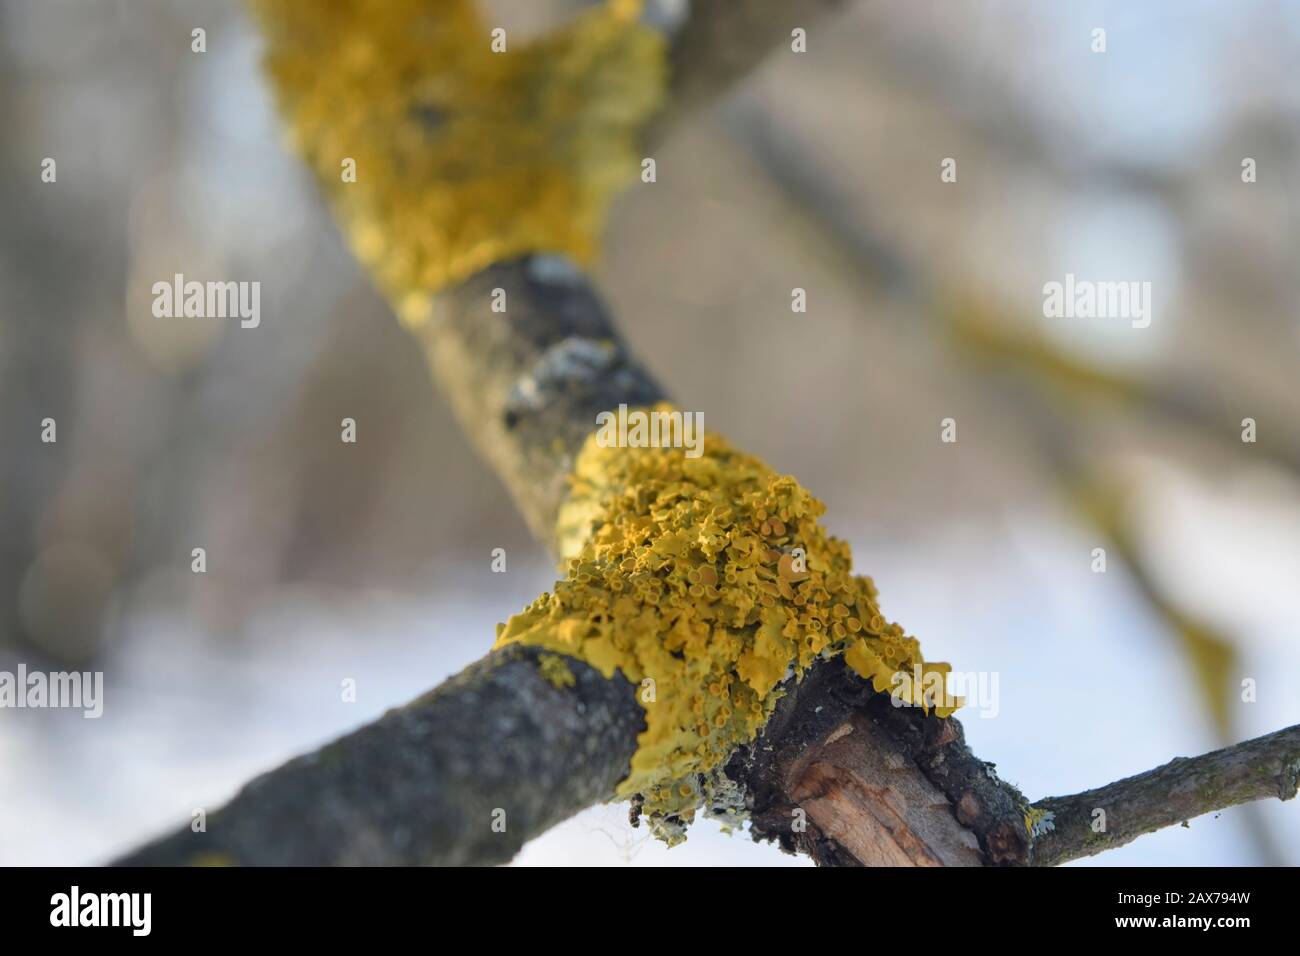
425, 783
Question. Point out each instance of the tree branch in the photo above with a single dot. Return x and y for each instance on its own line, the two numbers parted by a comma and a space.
875, 784
1184, 788
422, 784
527, 384
838, 773
419, 785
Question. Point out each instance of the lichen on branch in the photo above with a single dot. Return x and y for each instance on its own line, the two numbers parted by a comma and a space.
464, 156
710, 583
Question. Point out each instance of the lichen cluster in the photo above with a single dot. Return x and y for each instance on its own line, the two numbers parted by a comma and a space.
709, 583
464, 156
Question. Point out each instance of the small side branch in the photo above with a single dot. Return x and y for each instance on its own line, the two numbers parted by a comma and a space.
1184, 788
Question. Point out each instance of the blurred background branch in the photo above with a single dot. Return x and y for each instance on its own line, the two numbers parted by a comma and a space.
1262, 769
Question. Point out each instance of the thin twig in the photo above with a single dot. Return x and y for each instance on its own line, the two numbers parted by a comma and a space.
1098, 820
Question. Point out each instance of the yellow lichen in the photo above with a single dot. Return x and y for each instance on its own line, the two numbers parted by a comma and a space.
556, 670
463, 156
710, 582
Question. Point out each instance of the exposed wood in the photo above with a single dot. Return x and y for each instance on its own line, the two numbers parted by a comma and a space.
878, 785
